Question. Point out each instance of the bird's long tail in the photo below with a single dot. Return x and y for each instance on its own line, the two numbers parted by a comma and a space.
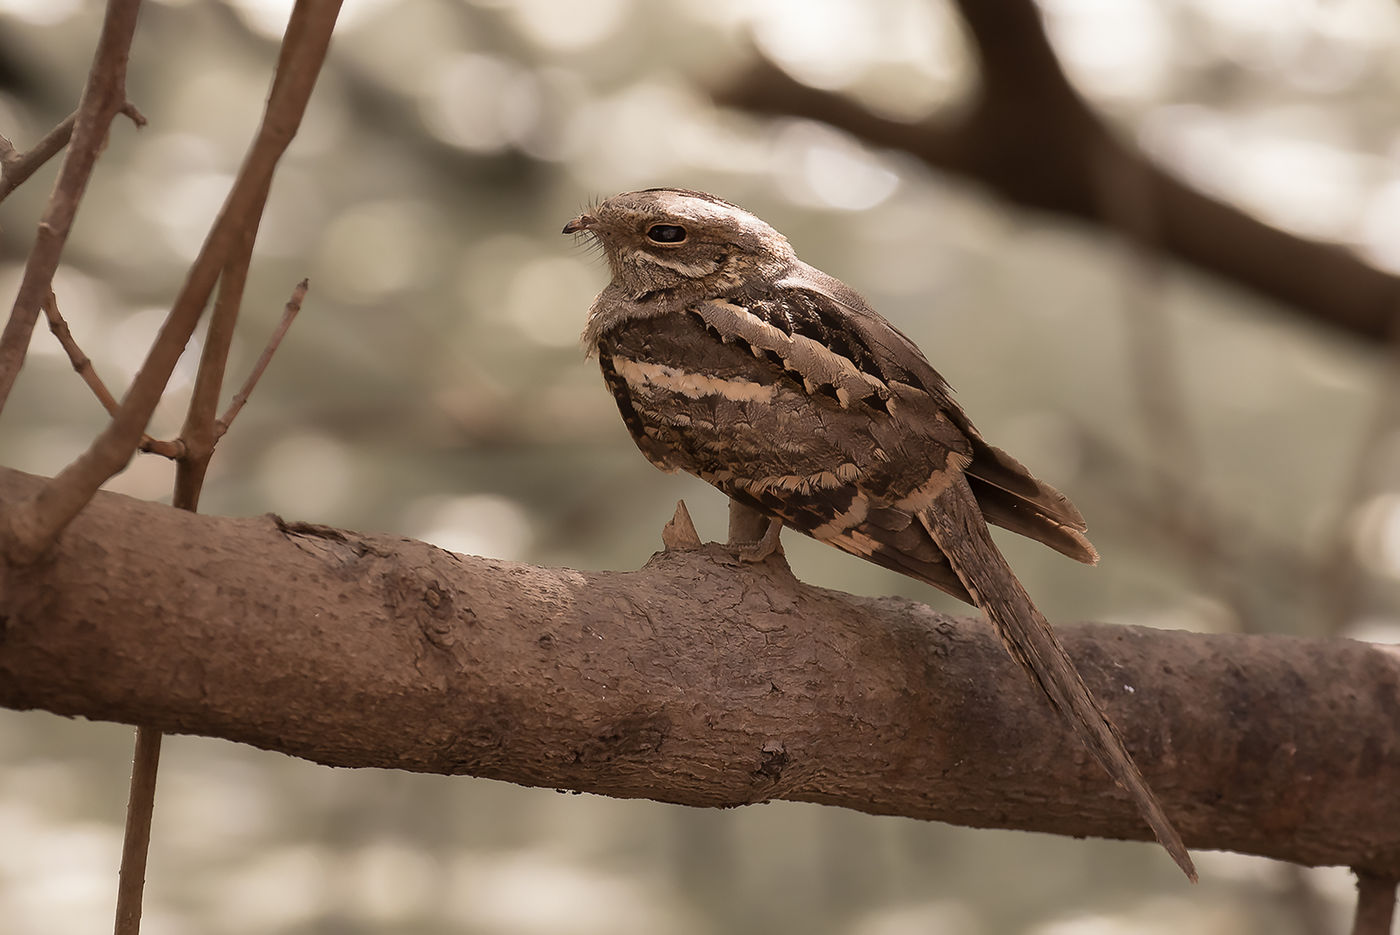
956, 524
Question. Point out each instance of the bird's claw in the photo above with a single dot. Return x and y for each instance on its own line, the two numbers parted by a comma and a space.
765, 547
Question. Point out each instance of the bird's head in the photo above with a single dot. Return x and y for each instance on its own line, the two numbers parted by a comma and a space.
686, 243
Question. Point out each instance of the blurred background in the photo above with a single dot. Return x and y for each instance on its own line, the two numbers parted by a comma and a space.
1239, 463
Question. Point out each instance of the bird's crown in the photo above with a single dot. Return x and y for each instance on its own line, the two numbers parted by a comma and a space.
666, 240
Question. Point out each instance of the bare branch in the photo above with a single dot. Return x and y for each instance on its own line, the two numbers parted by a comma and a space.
17, 167
83, 365
136, 839
698, 679
103, 98
34, 524
289, 314
1375, 903
130, 112
304, 45
200, 432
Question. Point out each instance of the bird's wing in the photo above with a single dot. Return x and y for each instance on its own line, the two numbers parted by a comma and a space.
1009, 495
803, 429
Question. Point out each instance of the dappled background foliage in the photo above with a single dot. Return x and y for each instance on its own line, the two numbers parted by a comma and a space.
433, 387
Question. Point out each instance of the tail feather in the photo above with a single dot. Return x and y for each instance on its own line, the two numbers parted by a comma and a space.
1016, 513
1013, 498
960, 531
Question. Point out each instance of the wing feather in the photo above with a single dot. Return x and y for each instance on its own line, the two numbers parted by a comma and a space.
1009, 494
801, 401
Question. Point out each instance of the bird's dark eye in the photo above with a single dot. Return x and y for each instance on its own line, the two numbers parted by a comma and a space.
666, 233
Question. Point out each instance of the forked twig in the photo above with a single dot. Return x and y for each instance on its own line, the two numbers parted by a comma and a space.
36, 522
129, 111
225, 256
198, 433
16, 167
104, 96
82, 364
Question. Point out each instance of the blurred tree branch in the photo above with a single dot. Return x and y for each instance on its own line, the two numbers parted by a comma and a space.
697, 680
1032, 139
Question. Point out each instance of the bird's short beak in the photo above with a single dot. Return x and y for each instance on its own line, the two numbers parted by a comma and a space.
581, 223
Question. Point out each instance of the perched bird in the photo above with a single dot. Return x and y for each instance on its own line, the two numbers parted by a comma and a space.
733, 360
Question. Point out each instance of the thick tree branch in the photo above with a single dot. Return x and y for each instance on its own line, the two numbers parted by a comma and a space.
698, 679
1030, 138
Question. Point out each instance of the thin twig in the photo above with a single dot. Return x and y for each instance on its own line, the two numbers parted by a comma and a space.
1375, 904
230, 245
200, 432
16, 167
288, 314
103, 98
83, 365
35, 523
189, 478
135, 116
136, 839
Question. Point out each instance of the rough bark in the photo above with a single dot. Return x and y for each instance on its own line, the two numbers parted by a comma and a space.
697, 679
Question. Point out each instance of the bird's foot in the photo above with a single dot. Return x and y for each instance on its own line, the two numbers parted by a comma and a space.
770, 544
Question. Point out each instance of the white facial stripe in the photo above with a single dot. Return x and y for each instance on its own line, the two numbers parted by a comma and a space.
694, 385
701, 268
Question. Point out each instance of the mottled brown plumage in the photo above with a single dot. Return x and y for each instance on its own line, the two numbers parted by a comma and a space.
733, 360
